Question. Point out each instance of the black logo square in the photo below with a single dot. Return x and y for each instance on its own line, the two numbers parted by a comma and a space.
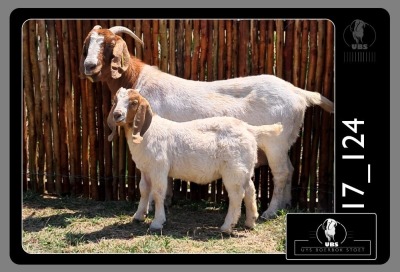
331, 236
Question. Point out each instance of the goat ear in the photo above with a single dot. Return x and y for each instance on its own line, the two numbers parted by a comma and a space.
120, 62
111, 124
141, 121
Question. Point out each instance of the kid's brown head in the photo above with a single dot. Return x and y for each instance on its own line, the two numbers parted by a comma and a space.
132, 110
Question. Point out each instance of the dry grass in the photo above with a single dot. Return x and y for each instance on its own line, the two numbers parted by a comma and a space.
76, 225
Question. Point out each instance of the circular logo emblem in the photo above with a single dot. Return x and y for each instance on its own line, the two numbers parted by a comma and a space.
359, 35
331, 233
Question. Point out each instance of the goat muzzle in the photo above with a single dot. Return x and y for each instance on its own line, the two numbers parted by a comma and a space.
118, 116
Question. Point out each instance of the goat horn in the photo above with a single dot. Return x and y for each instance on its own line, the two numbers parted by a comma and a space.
122, 29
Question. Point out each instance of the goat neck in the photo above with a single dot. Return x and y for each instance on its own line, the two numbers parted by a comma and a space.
128, 79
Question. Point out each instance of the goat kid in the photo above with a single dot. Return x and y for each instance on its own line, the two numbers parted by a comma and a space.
199, 151
256, 100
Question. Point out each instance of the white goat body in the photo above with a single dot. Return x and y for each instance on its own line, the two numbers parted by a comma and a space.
199, 151
245, 98
257, 100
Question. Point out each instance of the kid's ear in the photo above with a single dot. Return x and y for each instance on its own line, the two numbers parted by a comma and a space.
141, 121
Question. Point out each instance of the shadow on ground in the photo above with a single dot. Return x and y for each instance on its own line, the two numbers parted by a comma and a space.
194, 220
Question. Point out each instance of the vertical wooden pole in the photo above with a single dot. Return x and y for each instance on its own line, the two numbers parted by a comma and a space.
215, 46
288, 50
38, 105
254, 47
85, 141
147, 51
69, 104
296, 53
304, 53
187, 54
244, 36
108, 174
210, 24
305, 164
122, 165
155, 33
262, 48
115, 165
235, 49
279, 48
311, 85
172, 47
317, 114
93, 156
131, 176
228, 73
256, 181
196, 50
180, 48
100, 140
324, 174
296, 149
203, 46
54, 104
221, 50
164, 45
265, 198
30, 106
195, 189
137, 181
62, 114
83, 27
270, 48
138, 46
75, 99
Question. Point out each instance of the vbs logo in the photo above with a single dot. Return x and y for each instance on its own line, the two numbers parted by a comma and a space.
330, 236
331, 233
359, 35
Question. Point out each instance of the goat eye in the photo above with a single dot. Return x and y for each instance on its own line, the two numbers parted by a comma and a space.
133, 103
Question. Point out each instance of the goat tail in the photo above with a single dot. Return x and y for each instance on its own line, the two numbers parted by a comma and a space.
315, 98
266, 131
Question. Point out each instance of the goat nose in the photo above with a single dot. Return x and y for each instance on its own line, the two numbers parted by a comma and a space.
117, 115
90, 67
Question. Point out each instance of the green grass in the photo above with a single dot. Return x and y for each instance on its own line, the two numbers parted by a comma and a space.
77, 225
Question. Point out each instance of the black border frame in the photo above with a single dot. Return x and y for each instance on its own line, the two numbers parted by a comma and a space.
366, 99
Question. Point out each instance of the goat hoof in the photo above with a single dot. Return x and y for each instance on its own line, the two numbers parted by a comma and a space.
250, 226
137, 221
155, 230
227, 231
268, 215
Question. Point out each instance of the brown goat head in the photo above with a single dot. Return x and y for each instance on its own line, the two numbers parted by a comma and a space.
104, 54
130, 109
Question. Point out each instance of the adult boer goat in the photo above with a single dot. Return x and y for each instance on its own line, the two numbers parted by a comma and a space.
257, 100
201, 150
